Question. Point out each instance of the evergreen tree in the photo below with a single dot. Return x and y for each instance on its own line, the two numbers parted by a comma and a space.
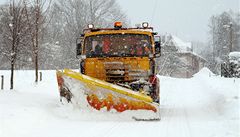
224, 38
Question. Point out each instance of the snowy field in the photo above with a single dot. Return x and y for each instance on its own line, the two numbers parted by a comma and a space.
203, 106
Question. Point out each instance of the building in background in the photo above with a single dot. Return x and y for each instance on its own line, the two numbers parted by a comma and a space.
178, 59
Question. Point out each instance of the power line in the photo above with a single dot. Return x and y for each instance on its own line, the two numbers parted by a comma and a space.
154, 10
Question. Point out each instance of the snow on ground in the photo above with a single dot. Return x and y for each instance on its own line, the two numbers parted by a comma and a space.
203, 106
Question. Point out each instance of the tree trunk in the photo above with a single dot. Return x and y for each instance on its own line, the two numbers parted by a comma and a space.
36, 39
13, 55
12, 73
36, 67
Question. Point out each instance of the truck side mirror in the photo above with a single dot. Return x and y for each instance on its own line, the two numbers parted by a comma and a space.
79, 49
79, 46
157, 49
157, 46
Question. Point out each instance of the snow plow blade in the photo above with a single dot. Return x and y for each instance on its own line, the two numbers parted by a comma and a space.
91, 94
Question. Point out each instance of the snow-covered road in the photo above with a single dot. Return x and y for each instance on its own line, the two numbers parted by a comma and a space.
200, 106
203, 106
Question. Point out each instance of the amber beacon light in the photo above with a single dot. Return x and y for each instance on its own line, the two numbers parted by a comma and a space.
118, 24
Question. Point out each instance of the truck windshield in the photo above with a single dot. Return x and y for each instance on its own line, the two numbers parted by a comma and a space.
118, 45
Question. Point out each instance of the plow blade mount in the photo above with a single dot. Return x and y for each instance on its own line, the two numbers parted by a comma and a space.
94, 96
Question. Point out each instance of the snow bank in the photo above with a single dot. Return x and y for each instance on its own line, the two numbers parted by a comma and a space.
204, 72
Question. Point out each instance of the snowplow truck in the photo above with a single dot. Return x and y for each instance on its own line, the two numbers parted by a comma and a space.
117, 72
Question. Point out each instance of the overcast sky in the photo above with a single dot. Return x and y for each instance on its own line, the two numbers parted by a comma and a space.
188, 19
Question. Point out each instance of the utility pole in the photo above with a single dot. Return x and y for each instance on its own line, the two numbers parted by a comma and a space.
231, 37
230, 28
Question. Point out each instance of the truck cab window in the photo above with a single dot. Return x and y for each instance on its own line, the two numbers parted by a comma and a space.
127, 45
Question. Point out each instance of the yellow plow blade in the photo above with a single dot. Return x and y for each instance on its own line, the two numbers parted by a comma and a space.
94, 94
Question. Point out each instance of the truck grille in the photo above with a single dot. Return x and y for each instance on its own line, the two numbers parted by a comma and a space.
120, 72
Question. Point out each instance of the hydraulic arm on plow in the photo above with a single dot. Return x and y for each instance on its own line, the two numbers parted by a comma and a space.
117, 72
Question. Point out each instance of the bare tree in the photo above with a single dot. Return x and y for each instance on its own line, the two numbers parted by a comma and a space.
13, 26
35, 11
73, 16
104, 12
52, 34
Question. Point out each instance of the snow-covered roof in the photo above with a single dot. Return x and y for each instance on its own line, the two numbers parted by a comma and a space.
172, 40
194, 54
180, 44
235, 54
